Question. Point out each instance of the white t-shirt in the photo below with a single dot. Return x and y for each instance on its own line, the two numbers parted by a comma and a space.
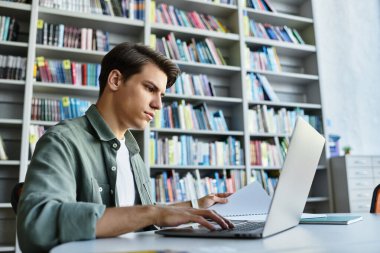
125, 185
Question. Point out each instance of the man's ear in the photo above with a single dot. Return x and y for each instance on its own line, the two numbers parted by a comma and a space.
114, 80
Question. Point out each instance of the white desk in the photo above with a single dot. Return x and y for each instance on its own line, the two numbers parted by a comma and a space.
362, 236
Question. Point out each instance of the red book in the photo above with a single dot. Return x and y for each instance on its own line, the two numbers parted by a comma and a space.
170, 189
74, 73
84, 74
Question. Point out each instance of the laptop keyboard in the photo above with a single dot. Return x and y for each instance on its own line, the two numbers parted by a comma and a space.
242, 226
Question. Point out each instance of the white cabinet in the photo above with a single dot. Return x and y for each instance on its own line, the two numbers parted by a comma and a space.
354, 178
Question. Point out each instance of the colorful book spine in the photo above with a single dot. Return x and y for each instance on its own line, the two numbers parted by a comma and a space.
192, 51
12, 67
185, 150
178, 189
47, 109
66, 72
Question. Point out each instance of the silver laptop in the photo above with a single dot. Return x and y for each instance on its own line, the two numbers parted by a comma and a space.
289, 198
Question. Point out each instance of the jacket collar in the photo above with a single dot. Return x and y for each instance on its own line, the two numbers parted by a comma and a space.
104, 132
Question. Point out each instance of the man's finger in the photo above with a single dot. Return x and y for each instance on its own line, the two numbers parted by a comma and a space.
220, 199
200, 220
224, 195
215, 217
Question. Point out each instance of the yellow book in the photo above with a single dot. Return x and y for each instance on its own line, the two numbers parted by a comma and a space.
246, 24
152, 41
153, 12
152, 151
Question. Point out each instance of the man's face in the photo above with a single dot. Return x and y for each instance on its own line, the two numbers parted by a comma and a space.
140, 96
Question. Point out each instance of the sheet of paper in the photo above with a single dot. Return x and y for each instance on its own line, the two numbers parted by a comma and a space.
250, 203
249, 200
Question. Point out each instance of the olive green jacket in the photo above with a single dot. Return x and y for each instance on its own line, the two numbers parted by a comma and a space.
70, 181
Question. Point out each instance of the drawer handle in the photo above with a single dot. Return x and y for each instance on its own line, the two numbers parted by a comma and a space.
363, 195
362, 173
363, 206
359, 162
361, 184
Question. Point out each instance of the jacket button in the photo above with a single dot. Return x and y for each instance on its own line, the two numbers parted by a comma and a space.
114, 145
113, 168
100, 189
111, 191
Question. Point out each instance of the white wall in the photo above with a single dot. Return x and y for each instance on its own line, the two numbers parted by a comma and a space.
348, 43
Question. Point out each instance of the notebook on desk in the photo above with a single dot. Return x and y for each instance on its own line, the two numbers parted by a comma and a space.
289, 198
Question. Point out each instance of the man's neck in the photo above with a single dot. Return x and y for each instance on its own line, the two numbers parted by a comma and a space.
110, 118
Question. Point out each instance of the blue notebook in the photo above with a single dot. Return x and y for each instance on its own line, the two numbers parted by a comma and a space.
332, 220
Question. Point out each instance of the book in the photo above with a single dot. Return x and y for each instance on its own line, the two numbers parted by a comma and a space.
332, 220
3, 155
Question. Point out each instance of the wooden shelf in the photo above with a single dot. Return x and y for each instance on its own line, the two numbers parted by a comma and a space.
197, 132
54, 52
284, 77
5, 205
7, 248
66, 89
201, 167
215, 9
283, 48
13, 48
210, 69
43, 123
207, 99
279, 19
9, 162
287, 105
10, 121
219, 38
103, 22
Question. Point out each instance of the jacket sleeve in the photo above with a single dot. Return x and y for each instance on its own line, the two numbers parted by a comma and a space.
48, 213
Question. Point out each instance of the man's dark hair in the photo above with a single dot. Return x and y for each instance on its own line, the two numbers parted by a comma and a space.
129, 58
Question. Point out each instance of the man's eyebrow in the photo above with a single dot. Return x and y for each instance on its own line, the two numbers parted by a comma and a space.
155, 86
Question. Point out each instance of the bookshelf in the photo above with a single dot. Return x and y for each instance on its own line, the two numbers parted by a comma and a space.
297, 86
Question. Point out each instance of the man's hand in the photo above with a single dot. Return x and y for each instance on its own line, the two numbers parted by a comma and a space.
212, 199
169, 216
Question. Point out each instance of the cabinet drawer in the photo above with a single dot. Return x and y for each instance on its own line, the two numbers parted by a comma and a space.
376, 172
360, 172
376, 161
354, 161
360, 206
360, 183
365, 195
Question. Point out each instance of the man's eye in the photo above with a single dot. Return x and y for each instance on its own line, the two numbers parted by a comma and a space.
150, 88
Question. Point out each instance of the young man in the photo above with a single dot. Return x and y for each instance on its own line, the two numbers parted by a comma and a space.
86, 178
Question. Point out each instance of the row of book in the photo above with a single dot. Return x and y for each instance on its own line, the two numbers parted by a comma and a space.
61, 35
268, 179
267, 31
267, 154
170, 187
9, 29
192, 51
173, 16
259, 88
3, 154
230, 2
266, 120
262, 5
133, 9
191, 84
35, 133
189, 117
47, 109
263, 58
12, 67
19, 1
187, 150
67, 72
